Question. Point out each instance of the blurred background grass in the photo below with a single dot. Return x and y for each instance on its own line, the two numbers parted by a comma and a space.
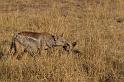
96, 25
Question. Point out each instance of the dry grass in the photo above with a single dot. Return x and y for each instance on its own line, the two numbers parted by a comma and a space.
97, 26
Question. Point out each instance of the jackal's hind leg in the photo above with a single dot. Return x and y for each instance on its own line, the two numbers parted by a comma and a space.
19, 55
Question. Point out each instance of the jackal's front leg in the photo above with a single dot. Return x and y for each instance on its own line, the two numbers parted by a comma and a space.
39, 51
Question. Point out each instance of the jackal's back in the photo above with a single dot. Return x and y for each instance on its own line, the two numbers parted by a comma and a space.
34, 34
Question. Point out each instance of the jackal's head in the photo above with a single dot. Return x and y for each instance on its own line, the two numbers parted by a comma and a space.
61, 41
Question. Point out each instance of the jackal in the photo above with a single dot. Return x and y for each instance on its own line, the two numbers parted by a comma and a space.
33, 41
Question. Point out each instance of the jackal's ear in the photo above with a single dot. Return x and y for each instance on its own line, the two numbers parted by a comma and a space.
62, 35
74, 44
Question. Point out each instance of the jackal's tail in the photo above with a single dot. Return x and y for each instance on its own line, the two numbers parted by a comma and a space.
13, 44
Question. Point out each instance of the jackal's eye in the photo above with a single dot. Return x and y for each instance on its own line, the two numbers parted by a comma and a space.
65, 47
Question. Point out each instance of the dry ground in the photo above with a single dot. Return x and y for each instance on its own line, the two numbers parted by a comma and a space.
96, 25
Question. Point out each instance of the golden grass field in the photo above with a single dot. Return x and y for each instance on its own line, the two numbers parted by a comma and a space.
96, 25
